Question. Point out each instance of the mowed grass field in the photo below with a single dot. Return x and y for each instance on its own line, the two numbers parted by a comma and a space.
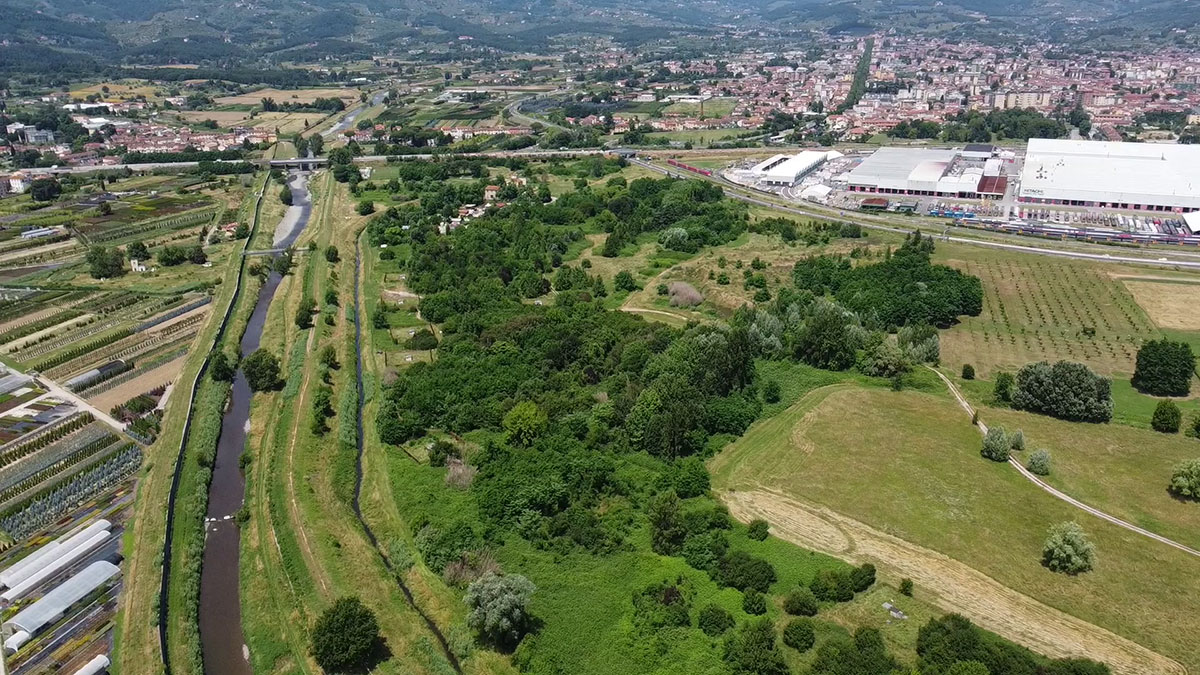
1037, 308
896, 478
714, 107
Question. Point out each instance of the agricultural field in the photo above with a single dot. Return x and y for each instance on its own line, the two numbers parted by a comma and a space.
904, 486
712, 108
255, 97
63, 468
1037, 308
94, 341
286, 122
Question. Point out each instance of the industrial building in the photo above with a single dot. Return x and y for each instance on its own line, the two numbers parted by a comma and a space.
939, 172
1137, 176
786, 171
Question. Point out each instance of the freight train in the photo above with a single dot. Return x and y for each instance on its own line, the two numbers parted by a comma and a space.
687, 167
1180, 236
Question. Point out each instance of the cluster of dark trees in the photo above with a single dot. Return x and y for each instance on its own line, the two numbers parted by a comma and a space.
1066, 390
973, 126
948, 644
1164, 368
687, 214
976, 127
906, 288
184, 156
169, 256
105, 263
330, 104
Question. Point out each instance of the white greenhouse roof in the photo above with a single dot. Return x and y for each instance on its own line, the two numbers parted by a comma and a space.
52, 605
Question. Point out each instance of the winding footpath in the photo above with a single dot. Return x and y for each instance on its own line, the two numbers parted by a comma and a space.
1055, 492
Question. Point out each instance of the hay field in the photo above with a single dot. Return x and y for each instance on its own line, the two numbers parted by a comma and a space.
117, 91
287, 95
1169, 304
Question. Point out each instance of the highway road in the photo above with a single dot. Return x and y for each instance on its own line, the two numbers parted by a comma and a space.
873, 222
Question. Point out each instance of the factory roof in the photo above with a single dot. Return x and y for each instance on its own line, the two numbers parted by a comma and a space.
1113, 172
893, 167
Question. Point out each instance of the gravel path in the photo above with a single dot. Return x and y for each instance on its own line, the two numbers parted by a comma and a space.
1055, 492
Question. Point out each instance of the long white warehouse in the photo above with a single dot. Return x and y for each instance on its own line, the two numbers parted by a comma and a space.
787, 171
1138, 176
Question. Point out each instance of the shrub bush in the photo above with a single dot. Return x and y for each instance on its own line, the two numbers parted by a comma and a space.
800, 602
1003, 388
1016, 441
758, 529
863, 577
1039, 462
1193, 426
1185, 481
799, 635
1167, 417
741, 570
906, 587
996, 445
1068, 550
832, 585
968, 371
772, 391
714, 620
753, 602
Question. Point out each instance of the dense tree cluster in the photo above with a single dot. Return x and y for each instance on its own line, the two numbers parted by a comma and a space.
1066, 390
946, 643
105, 263
1164, 368
903, 289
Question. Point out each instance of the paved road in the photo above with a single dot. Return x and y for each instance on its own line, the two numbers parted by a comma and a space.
872, 222
1055, 492
514, 111
67, 395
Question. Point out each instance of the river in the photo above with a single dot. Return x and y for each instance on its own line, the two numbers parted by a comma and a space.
223, 644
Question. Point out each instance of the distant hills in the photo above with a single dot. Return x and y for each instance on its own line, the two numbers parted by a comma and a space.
65, 34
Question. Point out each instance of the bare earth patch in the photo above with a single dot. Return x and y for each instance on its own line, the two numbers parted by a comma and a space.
955, 587
141, 384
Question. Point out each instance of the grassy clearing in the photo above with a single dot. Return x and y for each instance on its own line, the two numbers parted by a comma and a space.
1041, 309
909, 467
1119, 469
1170, 305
